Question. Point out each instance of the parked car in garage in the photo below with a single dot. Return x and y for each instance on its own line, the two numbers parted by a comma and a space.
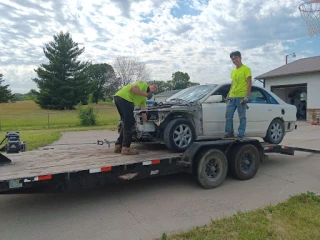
198, 113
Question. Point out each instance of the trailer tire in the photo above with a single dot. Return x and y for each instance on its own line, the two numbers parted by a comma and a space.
244, 162
212, 168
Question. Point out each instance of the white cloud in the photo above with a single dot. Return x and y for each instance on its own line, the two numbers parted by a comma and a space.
198, 41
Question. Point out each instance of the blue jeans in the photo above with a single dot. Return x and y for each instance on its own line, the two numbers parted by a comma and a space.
232, 105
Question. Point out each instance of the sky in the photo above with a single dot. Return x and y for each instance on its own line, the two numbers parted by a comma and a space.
193, 36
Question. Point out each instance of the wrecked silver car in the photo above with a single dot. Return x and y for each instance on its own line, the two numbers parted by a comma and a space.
176, 122
198, 113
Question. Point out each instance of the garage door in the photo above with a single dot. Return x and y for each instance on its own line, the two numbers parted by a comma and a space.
295, 95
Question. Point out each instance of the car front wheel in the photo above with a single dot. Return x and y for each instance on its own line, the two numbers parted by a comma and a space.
276, 132
179, 134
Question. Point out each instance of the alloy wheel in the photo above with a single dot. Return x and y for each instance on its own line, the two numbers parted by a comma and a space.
276, 131
182, 135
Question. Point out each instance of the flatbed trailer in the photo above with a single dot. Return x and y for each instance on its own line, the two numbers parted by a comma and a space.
69, 169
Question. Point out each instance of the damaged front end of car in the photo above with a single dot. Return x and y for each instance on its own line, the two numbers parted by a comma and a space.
161, 115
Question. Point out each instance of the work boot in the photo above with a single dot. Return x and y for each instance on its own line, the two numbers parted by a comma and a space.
228, 136
129, 151
117, 148
240, 138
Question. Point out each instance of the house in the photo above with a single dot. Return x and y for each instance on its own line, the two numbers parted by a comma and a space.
297, 83
161, 97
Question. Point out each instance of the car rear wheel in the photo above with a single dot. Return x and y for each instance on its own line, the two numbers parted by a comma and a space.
179, 134
276, 132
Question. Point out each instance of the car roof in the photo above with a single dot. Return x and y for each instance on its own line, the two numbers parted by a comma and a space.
228, 83
271, 93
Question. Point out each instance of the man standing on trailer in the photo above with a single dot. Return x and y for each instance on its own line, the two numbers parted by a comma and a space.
129, 96
238, 96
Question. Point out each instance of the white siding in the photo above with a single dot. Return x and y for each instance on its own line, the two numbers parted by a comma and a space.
313, 86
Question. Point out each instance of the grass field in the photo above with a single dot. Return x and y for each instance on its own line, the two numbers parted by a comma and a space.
41, 127
297, 218
26, 115
43, 137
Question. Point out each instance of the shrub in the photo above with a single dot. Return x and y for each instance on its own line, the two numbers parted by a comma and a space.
86, 113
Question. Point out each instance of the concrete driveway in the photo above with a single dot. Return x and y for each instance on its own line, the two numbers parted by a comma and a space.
147, 208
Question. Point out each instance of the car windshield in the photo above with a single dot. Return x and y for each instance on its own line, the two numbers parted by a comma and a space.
192, 94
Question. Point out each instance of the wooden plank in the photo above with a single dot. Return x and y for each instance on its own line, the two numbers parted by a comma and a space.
52, 161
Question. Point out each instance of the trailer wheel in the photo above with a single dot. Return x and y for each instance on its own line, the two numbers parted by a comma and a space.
244, 162
212, 168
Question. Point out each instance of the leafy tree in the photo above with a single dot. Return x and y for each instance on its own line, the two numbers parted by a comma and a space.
31, 95
102, 79
63, 82
5, 92
193, 84
18, 96
181, 80
168, 85
162, 85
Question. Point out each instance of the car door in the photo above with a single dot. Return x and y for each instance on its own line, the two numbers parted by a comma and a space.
214, 114
260, 113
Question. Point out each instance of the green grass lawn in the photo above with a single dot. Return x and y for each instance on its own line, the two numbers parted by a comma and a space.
26, 115
40, 127
297, 218
43, 137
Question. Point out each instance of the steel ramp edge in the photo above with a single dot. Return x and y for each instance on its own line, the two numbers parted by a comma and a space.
4, 160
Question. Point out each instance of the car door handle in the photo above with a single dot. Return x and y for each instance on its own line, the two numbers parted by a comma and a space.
269, 110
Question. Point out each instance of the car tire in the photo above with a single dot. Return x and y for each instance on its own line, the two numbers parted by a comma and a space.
275, 132
211, 168
179, 128
244, 162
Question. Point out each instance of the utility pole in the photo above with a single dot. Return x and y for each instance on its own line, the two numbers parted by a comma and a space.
293, 55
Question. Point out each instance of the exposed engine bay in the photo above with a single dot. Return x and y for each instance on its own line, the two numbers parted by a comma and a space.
159, 115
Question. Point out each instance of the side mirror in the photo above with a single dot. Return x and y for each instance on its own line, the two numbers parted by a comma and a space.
214, 99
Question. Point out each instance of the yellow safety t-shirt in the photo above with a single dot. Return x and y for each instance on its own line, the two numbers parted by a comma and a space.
126, 94
239, 81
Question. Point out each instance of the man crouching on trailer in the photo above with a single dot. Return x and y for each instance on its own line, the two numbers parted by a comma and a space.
134, 94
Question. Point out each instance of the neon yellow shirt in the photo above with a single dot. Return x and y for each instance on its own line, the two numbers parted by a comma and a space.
239, 81
126, 94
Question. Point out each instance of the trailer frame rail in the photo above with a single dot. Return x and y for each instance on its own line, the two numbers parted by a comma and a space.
177, 163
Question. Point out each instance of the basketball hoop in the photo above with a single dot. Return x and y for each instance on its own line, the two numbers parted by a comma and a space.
310, 12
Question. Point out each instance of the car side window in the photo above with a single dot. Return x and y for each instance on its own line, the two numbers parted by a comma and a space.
222, 91
271, 100
256, 96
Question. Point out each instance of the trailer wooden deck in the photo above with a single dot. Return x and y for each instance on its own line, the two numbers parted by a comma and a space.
75, 158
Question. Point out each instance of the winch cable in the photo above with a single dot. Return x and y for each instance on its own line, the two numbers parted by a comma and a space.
99, 142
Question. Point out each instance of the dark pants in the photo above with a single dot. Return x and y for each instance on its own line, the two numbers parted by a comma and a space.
125, 110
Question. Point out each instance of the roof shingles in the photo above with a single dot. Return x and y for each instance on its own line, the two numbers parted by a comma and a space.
301, 66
